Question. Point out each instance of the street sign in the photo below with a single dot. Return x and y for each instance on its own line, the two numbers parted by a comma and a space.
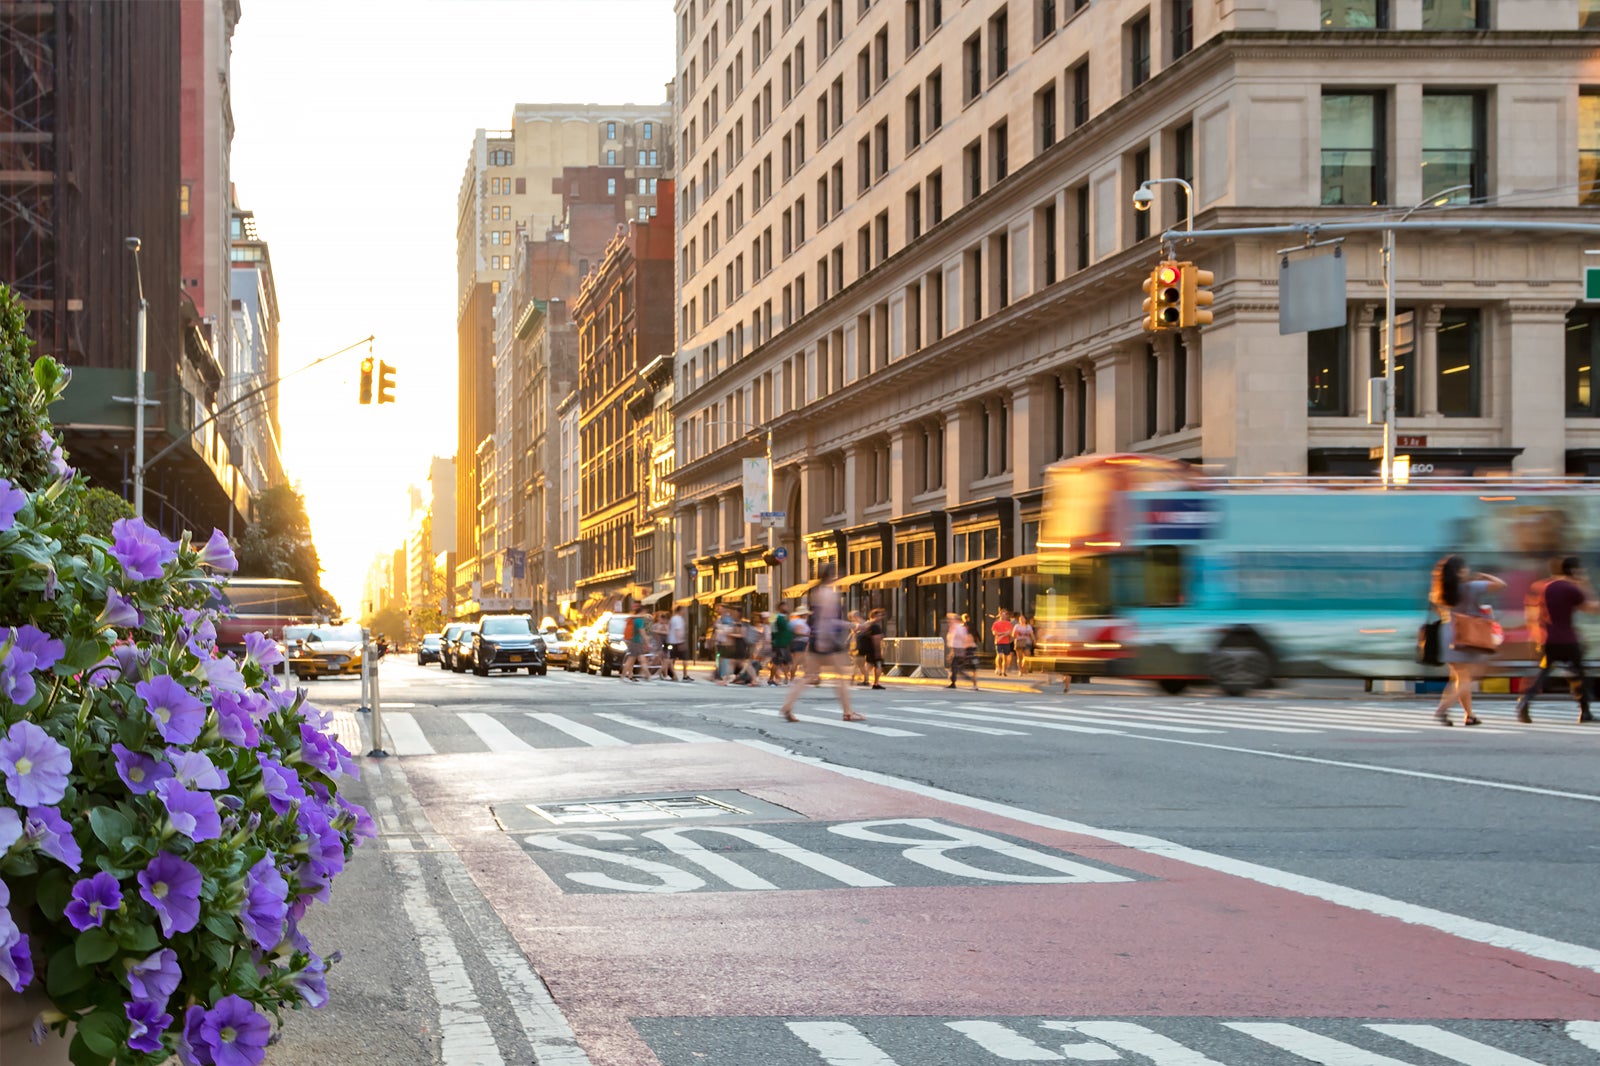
1591, 284
780, 554
1412, 441
1311, 293
1375, 453
772, 516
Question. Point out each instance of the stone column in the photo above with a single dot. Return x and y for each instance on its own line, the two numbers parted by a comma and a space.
1265, 430
904, 440
1113, 397
1091, 403
1361, 357
961, 444
858, 461
1165, 348
813, 495
1033, 433
1531, 403
1192, 395
1425, 352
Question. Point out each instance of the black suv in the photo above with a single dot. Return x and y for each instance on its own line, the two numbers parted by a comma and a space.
505, 642
605, 647
447, 645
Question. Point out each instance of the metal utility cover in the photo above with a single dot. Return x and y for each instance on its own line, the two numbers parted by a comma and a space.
1311, 293
635, 810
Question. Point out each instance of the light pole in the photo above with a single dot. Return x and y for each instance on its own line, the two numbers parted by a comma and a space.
772, 529
1143, 198
140, 342
1435, 200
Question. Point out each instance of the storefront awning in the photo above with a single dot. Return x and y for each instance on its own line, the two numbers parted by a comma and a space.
794, 592
893, 578
850, 581
708, 598
947, 574
1021, 564
736, 594
685, 602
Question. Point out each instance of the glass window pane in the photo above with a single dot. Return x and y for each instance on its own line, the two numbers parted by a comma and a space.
1582, 327
1450, 144
1453, 14
1349, 155
1589, 145
1405, 358
1327, 371
1589, 14
1353, 14
1460, 362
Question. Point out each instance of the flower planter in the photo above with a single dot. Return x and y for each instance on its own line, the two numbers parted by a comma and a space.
16, 1023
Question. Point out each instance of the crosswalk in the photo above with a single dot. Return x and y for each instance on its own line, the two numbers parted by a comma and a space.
506, 728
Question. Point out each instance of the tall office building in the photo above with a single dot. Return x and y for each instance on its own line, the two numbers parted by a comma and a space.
908, 246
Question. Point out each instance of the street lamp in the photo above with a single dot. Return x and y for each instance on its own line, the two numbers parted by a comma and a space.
139, 348
772, 529
1143, 198
1435, 200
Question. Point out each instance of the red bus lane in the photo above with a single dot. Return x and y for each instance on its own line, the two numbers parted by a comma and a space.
731, 882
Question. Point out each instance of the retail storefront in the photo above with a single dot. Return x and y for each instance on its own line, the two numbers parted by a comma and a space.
980, 535
919, 546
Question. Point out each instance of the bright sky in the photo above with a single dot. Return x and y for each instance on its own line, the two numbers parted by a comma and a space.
353, 123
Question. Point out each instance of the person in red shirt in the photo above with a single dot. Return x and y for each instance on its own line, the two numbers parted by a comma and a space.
1559, 600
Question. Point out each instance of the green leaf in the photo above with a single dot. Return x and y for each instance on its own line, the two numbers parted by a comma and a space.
64, 975
80, 1054
54, 893
139, 938
223, 926
95, 945
110, 825
103, 1033
220, 954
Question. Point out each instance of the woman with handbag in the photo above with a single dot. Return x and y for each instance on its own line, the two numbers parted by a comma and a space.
1468, 634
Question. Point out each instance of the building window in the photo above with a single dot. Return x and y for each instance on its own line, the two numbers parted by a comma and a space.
1455, 14
999, 46
1045, 235
1353, 143
1152, 391
1453, 145
1080, 241
913, 213
1328, 371
611, 157
914, 119
1183, 165
185, 191
649, 130
611, 186
935, 198
999, 151
1044, 116
1355, 14
1080, 94
972, 157
972, 68
1180, 21
611, 131
1589, 14
1138, 45
935, 94
1589, 145
1583, 346
913, 25
1141, 174
1044, 19
1405, 348
522, 186
1459, 363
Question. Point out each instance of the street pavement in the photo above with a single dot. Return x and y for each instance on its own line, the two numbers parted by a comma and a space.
590, 872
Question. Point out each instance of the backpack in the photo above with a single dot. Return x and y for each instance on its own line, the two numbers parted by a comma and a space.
864, 639
782, 635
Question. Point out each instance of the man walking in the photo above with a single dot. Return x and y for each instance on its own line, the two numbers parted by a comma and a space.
828, 637
1566, 593
678, 645
869, 642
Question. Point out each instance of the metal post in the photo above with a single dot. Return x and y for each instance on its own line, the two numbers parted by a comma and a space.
377, 751
772, 532
1388, 357
139, 348
366, 663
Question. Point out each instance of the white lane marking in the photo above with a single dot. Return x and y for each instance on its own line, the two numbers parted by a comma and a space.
840, 1044
577, 730
1313, 1046
492, 733
387, 704
1422, 720
857, 727
1585, 1033
1452, 1046
405, 735
542, 1022
1540, 947
464, 1035
1004, 1043
1036, 723
1161, 1050
1242, 720
950, 725
688, 735
1078, 714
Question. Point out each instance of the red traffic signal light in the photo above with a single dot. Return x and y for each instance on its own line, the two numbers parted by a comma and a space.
366, 380
1164, 297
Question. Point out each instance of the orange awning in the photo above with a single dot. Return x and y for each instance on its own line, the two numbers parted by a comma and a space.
946, 575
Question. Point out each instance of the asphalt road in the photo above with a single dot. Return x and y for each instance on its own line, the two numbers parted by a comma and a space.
1311, 875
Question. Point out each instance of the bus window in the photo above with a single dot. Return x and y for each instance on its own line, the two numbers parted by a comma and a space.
1163, 576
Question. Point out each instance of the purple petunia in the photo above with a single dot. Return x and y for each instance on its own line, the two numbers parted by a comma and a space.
156, 976
12, 500
16, 957
194, 814
194, 769
172, 888
50, 833
217, 554
35, 765
232, 1033
312, 982
45, 649
179, 714
58, 460
281, 784
262, 650
324, 753
221, 674
118, 611
92, 899
265, 905
354, 817
141, 550
147, 1022
233, 719
140, 773
10, 828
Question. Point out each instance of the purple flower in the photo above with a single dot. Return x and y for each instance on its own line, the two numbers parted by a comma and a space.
194, 814
324, 845
172, 888
10, 828
118, 611
281, 784
221, 674
266, 904
324, 753
146, 1023
92, 899
35, 765
156, 976
12, 500
194, 769
312, 982
16, 959
140, 773
16, 670
262, 650
233, 719
58, 461
51, 834
179, 714
45, 649
230, 1034
141, 550
217, 554
354, 816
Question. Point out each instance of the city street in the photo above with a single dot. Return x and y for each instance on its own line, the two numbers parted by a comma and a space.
1313, 875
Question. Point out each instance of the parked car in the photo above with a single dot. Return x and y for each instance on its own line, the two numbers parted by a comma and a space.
328, 651
505, 642
447, 645
428, 650
605, 647
575, 647
556, 643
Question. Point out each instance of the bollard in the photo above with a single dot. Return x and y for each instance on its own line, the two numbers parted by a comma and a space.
366, 663
375, 691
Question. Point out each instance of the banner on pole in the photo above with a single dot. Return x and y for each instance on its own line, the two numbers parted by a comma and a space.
755, 490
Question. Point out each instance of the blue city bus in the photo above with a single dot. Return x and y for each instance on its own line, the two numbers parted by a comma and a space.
1152, 571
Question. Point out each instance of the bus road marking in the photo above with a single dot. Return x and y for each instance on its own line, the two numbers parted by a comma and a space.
840, 1044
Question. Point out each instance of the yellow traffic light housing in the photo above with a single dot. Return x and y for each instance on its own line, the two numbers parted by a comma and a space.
385, 383
1197, 296
366, 380
1163, 296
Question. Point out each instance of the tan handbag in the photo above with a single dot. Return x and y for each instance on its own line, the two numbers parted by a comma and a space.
1474, 632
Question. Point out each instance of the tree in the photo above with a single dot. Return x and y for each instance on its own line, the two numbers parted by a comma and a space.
279, 544
389, 621
24, 423
101, 508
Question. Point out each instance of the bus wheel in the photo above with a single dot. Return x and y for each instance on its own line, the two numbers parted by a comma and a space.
1172, 686
1241, 663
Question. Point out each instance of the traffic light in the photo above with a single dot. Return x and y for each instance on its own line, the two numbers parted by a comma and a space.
1197, 296
386, 381
366, 380
1163, 295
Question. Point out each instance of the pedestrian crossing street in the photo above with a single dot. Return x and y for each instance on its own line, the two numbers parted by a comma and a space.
507, 727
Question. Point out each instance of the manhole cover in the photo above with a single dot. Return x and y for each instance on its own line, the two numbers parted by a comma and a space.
618, 810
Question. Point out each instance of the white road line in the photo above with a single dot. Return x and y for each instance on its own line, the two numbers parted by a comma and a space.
405, 735
951, 725
1423, 719
688, 735
1035, 723
1540, 947
1343, 715
492, 733
1452, 1046
1005, 1043
858, 727
387, 704
1585, 1033
840, 1044
1219, 721
1077, 714
1161, 1050
592, 737
1313, 1046
1299, 723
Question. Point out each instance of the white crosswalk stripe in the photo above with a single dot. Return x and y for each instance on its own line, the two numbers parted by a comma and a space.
1452, 1045
405, 735
688, 736
860, 727
494, 733
1077, 714
577, 730
879, 716
1313, 1047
